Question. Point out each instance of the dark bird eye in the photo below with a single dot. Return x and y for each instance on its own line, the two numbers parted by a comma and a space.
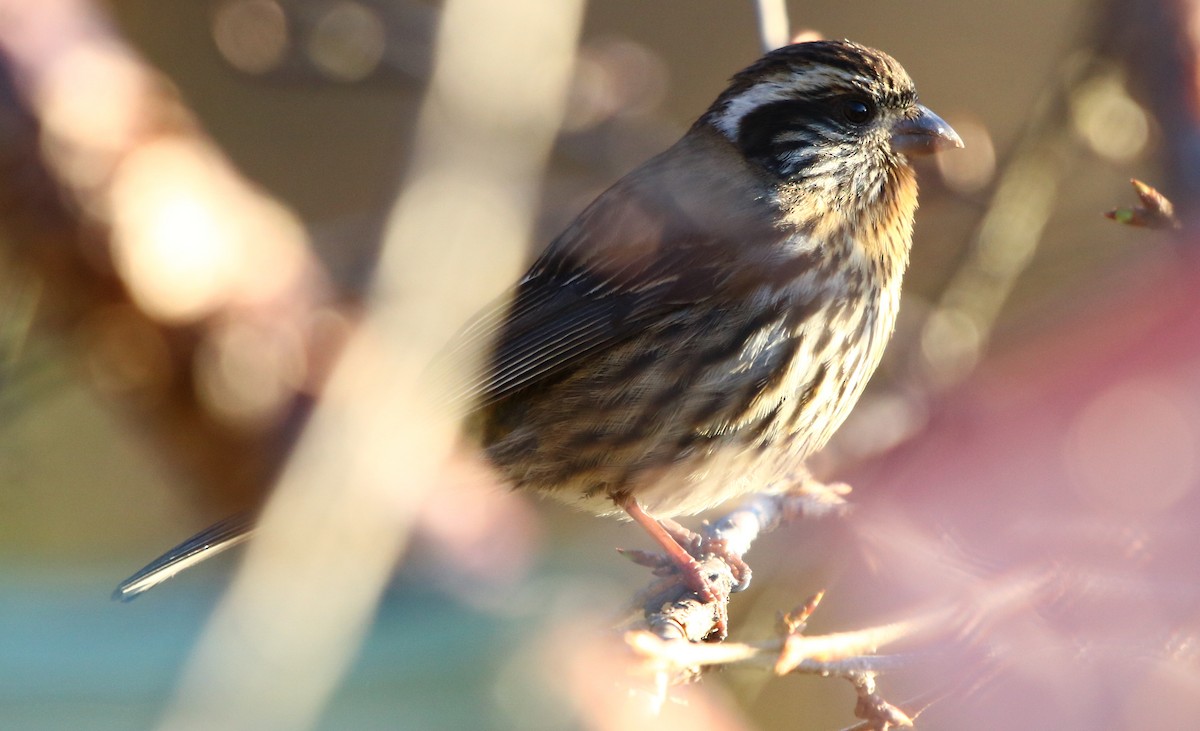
857, 111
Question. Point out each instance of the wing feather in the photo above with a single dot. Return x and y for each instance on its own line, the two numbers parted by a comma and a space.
202, 546
667, 236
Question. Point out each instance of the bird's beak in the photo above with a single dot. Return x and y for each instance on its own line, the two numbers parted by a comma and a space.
923, 134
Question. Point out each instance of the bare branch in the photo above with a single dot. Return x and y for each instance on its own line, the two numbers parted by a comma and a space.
673, 612
672, 650
773, 28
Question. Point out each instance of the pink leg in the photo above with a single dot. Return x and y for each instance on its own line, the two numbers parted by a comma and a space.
693, 576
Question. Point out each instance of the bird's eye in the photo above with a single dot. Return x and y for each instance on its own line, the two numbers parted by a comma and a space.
857, 111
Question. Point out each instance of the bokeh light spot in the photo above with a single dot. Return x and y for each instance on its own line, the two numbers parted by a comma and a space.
252, 35
124, 354
247, 373
970, 169
176, 254
189, 237
1132, 449
614, 77
347, 42
1109, 120
91, 107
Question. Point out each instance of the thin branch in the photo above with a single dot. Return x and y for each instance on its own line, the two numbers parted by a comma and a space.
678, 656
673, 612
774, 31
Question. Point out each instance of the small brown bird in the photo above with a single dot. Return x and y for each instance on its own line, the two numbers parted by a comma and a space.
710, 320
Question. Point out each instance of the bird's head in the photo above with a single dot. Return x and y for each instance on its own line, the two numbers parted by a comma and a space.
835, 117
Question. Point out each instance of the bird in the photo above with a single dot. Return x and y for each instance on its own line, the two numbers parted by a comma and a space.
709, 321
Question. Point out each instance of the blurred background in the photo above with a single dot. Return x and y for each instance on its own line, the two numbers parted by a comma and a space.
1038, 412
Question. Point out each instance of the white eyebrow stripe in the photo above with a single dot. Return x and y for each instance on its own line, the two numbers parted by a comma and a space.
782, 88
749, 100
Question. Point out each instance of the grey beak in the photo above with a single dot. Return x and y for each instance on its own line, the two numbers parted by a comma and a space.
923, 134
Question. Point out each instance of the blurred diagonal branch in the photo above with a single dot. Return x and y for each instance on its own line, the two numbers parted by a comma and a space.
379, 442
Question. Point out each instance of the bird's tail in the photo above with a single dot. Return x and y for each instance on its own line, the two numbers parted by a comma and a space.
204, 545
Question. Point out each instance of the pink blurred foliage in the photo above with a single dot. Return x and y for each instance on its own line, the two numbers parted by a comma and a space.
1076, 452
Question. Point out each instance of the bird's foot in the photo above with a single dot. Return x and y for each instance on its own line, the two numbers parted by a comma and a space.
690, 561
702, 546
687, 598
682, 568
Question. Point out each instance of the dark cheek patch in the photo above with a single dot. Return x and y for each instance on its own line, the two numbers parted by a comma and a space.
759, 130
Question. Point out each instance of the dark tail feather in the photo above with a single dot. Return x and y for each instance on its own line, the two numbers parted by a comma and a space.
204, 545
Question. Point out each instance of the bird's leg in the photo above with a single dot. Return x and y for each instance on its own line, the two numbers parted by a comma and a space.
693, 575
701, 545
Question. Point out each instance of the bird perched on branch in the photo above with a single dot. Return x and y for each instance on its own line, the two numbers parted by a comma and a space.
710, 320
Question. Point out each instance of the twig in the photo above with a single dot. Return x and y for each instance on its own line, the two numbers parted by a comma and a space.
673, 612
877, 714
678, 657
765, 512
773, 28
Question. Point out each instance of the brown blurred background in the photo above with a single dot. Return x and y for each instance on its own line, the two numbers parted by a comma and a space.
1053, 424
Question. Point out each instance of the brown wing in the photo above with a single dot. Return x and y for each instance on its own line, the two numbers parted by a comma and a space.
677, 231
